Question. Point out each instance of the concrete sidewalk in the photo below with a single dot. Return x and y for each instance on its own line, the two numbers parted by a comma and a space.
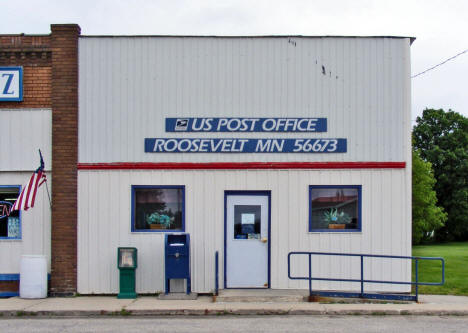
204, 305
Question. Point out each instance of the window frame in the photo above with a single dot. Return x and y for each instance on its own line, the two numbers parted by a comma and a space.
132, 217
359, 213
19, 216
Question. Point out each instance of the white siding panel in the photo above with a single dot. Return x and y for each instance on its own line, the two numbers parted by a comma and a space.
22, 133
35, 227
129, 85
104, 224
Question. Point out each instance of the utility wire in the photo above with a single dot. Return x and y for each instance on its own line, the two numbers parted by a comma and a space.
430, 69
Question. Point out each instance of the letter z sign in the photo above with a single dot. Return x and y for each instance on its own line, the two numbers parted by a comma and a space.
11, 84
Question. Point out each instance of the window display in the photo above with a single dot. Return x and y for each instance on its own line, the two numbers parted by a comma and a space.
335, 208
10, 226
157, 208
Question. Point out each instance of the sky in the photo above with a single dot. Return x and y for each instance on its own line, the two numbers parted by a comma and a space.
440, 28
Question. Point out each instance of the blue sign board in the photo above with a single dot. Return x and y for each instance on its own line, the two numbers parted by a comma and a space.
230, 145
11, 84
246, 124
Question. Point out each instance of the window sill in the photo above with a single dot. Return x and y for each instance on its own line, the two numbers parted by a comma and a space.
334, 231
10, 239
144, 231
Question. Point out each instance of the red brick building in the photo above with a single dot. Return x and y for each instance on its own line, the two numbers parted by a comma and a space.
46, 118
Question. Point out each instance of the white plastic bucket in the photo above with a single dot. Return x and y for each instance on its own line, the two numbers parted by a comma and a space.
33, 276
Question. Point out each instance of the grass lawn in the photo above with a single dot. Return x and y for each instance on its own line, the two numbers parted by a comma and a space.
456, 268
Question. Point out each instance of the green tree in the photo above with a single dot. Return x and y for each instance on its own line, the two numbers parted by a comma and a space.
442, 139
427, 216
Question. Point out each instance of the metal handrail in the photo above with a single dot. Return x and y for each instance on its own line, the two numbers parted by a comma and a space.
216, 292
362, 294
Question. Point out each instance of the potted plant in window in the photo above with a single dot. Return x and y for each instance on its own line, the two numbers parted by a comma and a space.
165, 221
152, 220
159, 221
335, 219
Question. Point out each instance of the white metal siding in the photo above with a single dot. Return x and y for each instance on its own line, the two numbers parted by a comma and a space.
22, 133
104, 209
129, 85
35, 227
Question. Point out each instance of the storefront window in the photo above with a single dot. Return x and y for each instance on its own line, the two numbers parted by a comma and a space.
10, 225
335, 208
158, 208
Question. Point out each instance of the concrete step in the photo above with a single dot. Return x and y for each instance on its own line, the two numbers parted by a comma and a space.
261, 295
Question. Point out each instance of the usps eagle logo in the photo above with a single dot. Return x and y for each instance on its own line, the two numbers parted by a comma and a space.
181, 124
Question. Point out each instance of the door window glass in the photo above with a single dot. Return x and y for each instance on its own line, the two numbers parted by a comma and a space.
247, 221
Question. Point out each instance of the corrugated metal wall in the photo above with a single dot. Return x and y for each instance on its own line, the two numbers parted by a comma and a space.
128, 85
104, 224
22, 133
35, 227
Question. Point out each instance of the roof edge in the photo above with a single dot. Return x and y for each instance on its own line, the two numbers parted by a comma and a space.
24, 35
245, 36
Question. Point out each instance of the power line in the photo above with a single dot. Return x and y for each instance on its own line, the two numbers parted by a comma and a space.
430, 69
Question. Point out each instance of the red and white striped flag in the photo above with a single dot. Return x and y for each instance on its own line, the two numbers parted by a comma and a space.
28, 194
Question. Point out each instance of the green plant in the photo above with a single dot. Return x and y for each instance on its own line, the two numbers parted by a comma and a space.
152, 218
344, 218
441, 137
456, 268
330, 216
427, 216
333, 217
156, 218
125, 312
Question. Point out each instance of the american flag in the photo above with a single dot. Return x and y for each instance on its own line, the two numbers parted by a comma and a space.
28, 194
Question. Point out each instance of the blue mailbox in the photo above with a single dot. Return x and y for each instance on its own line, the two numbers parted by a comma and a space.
177, 261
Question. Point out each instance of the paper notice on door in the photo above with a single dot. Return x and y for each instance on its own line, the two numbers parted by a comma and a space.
248, 219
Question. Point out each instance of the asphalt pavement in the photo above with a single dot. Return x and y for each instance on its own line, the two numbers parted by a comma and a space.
244, 324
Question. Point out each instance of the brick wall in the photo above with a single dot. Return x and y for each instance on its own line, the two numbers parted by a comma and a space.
50, 80
64, 44
34, 54
36, 89
22, 42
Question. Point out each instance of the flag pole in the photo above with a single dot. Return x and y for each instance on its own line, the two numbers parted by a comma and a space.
47, 187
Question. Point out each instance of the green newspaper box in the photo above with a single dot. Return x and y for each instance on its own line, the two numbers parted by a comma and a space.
127, 263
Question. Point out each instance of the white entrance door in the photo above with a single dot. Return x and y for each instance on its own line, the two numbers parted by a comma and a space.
247, 241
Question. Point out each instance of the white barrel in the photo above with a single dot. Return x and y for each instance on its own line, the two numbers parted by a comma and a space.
33, 276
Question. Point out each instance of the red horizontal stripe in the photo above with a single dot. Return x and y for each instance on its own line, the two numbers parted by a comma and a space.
240, 166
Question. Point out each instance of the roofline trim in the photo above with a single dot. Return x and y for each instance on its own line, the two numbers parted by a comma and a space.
242, 36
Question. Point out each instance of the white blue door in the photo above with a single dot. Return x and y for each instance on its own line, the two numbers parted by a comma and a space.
247, 240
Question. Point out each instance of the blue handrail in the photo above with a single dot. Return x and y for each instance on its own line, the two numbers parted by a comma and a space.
362, 294
216, 273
